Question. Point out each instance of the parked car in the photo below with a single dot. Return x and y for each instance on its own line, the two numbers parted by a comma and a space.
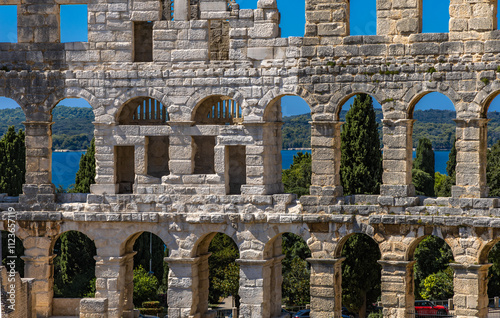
346, 313
427, 308
304, 313
288, 314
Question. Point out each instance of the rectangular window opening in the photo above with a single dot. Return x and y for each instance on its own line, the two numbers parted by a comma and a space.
74, 25
218, 35
125, 168
8, 16
143, 41
158, 156
237, 168
204, 153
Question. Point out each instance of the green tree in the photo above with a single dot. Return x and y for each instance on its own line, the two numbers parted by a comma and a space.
494, 272
297, 179
493, 170
74, 265
442, 185
224, 272
438, 286
12, 162
432, 256
296, 271
423, 168
361, 273
145, 286
451, 164
85, 176
149, 247
361, 159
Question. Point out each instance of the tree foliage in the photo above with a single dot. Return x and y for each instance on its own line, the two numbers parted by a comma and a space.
145, 286
438, 286
224, 272
85, 176
74, 266
493, 170
149, 247
423, 168
494, 272
361, 273
361, 159
296, 271
432, 256
297, 179
12, 162
443, 183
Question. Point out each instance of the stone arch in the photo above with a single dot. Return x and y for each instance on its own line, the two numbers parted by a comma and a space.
121, 100
267, 102
200, 247
485, 96
424, 233
341, 96
415, 94
77, 92
300, 230
365, 230
485, 250
18, 98
200, 95
218, 110
129, 237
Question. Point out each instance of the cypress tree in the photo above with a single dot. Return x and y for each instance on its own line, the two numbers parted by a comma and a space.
451, 164
361, 159
423, 168
86, 173
12, 162
493, 170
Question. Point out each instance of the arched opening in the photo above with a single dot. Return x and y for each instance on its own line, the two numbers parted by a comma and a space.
494, 280
12, 149
435, 16
363, 17
361, 145
143, 111
493, 144
8, 16
433, 276
150, 275
434, 154
72, 135
296, 273
74, 272
218, 275
361, 275
218, 110
12, 250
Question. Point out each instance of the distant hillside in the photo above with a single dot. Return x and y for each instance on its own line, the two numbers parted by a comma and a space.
72, 128
437, 125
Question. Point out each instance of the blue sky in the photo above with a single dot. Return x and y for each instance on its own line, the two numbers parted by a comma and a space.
363, 22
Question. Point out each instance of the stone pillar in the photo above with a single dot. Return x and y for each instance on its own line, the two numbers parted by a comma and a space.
38, 190
275, 286
255, 288
105, 160
325, 144
471, 147
38, 264
188, 286
326, 287
263, 161
328, 20
114, 281
38, 23
94, 308
399, 18
470, 19
182, 10
470, 286
397, 284
397, 156
180, 151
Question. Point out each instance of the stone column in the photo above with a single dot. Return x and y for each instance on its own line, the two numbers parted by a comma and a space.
327, 19
326, 287
471, 147
275, 286
397, 156
114, 281
38, 23
104, 160
187, 287
38, 190
397, 286
180, 151
255, 288
399, 18
38, 264
469, 20
325, 144
182, 10
470, 284
263, 161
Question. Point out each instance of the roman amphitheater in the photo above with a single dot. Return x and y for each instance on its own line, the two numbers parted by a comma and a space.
186, 97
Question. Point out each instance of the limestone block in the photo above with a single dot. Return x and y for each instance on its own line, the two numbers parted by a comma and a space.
217, 5
189, 55
260, 53
93, 305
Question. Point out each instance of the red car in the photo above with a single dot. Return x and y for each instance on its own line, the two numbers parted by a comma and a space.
425, 308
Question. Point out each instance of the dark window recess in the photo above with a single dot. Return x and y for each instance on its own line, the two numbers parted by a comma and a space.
158, 156
125, 170
219, 39
237, 170
143, 41
203, 151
